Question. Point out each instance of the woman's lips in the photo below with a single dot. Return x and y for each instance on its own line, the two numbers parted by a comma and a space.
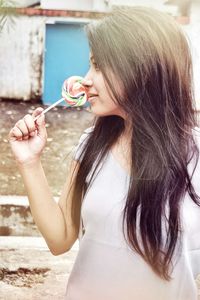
92, 98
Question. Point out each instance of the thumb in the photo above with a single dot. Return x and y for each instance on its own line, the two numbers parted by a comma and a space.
40, 122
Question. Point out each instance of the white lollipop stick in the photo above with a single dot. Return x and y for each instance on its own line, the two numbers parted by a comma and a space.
50, 107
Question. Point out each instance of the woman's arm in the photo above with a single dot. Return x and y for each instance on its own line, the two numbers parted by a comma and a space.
53, 219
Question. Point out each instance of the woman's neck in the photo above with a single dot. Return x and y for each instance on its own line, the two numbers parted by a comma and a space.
127, 134
122, 151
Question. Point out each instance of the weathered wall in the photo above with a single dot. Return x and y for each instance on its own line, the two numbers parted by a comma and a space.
24, 3
22, 50
97, 5
67, 4
21, 56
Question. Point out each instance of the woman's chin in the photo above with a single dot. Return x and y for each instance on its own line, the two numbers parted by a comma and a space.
100, 110
97, 111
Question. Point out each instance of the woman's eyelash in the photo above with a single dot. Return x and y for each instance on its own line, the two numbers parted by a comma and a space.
94, 64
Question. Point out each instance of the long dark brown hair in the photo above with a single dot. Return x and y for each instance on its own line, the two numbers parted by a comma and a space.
149, 55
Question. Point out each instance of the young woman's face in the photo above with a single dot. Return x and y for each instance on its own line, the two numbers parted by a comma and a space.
99, 98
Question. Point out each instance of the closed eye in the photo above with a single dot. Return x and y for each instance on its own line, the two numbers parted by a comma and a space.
94, 64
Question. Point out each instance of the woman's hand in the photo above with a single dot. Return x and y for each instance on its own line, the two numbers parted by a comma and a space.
28, 137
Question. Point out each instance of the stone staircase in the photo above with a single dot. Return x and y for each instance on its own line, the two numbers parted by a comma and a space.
27, 268
28, 271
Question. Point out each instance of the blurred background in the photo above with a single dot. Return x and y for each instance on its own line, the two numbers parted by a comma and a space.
41, 44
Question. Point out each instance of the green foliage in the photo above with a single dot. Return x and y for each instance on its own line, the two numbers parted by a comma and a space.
7, 13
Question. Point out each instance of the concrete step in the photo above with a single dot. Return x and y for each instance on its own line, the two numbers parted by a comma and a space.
27, 268
28, 271
27, 242
16, 218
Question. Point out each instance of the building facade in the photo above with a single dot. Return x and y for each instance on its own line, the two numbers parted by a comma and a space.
46, 44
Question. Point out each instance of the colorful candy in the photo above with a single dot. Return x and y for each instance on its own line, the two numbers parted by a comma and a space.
73, 92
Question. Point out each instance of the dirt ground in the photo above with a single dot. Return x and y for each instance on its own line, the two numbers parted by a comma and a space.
30, 274
64, 127
33, 273
26, 271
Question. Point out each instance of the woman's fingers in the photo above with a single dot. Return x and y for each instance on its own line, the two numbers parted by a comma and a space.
37, 112
15, 133
27, 127
21, 125
40, 122
24, 128
30, 124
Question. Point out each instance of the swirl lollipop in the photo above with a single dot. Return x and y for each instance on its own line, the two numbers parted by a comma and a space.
73, 92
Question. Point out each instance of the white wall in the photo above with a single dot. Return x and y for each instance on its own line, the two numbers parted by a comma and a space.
67, 4
21, 53
22, 48
24, 3
102, 5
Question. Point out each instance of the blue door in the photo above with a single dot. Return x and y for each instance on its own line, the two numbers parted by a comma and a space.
66, 54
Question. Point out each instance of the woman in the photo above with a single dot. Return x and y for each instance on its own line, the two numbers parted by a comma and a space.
135, 172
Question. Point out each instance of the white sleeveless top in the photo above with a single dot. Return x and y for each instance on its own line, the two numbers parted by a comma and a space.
106, 268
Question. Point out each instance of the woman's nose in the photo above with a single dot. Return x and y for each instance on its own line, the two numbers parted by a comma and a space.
87, 82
